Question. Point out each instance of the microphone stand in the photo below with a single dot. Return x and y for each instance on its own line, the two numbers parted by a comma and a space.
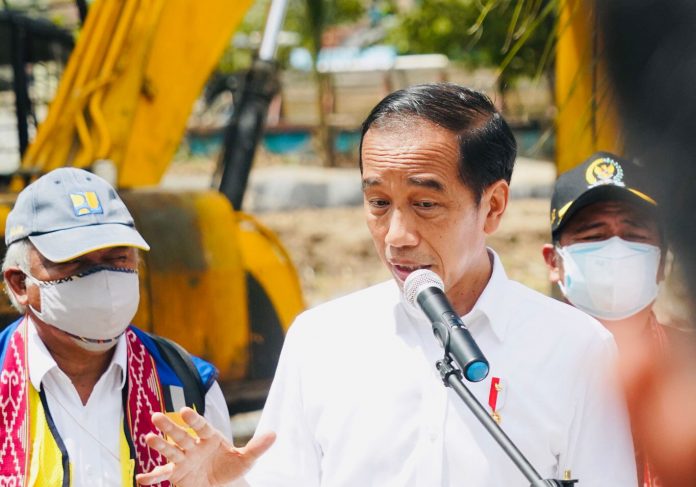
452, 377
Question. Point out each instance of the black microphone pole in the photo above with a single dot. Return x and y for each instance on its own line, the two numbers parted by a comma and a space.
425, 288
452, 377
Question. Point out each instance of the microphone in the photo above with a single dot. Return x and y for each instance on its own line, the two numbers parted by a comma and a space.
425, 290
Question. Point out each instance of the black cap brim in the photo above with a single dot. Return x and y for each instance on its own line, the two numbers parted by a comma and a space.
609, 192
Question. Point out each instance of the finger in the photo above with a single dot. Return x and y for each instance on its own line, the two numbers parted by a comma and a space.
172, 452
162, 422
156, 475
257, 446
198, 424
175, 432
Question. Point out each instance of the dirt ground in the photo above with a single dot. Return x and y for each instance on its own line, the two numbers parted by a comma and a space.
334, 254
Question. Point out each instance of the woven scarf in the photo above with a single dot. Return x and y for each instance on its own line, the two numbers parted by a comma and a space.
144, 397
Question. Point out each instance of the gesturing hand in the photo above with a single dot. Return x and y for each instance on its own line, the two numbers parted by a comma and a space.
209, 460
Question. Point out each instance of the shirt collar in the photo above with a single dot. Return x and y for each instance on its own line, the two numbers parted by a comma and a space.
490, 308
41, 362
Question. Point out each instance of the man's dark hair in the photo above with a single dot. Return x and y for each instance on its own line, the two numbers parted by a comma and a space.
487, 148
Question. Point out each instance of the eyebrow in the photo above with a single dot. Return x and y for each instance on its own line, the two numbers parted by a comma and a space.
414, 181
583, 227
634, 222
426, 183
370, 182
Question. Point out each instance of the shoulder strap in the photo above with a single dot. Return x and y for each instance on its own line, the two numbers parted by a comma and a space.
183, 366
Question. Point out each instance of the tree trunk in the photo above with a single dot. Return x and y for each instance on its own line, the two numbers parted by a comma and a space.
325, 103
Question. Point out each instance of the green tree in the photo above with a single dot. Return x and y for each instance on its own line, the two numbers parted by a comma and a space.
514, 35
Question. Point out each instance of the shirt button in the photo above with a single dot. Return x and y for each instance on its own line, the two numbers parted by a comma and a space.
433, 436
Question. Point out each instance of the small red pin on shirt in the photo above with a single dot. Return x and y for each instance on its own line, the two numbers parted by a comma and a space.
494, 398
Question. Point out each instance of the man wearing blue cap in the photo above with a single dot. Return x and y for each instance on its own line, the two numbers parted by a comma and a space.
78, 383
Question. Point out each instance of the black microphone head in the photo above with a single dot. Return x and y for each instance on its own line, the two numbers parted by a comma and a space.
419, 280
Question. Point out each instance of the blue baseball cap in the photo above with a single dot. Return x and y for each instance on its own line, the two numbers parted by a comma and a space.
70, 212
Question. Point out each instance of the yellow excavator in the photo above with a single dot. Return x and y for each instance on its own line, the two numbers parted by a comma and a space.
586, 119
216, 280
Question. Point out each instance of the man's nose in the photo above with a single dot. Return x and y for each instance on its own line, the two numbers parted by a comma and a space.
402, 231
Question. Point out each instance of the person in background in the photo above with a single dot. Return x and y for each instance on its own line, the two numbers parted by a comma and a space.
608, 250
607, 255
79, 383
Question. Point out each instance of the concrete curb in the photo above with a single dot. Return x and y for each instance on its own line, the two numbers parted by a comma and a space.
293, 187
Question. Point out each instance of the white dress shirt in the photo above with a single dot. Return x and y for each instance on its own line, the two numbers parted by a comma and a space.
356, 399
91, 432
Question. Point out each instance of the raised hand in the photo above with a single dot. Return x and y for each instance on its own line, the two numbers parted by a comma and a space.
206, 461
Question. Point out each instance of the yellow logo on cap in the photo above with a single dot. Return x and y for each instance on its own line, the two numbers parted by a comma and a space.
604, 171
86, 203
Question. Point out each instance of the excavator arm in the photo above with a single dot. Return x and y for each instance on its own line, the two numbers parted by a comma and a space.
130, 84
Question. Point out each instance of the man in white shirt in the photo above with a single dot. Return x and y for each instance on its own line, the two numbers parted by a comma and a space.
356, 399
79, 385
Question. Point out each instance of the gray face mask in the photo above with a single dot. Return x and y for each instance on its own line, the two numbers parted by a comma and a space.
94, 307
612, 279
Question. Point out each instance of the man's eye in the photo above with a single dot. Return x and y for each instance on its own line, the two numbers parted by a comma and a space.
426, 204
592, 237
378, 203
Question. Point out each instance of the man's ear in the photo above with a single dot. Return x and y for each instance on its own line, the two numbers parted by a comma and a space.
495, 200
16, 281
666, 264
553, 262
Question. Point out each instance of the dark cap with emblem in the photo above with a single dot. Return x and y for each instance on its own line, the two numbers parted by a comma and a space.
601, 177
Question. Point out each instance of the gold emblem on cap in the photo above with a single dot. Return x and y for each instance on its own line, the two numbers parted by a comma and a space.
604, 170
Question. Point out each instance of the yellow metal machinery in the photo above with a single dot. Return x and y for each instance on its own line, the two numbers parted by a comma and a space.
587, 120
216, 280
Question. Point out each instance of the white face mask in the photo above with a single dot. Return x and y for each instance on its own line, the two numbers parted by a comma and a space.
612, 279
94, 307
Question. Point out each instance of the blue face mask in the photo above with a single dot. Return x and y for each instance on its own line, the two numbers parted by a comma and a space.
612, 279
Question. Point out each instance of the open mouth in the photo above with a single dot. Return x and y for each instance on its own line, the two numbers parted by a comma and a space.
402, 271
